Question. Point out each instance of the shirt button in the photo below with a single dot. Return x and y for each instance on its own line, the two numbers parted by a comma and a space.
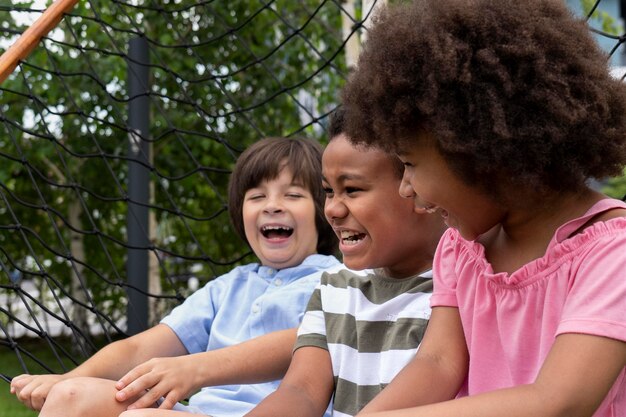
255, 308
278, 282
271, 271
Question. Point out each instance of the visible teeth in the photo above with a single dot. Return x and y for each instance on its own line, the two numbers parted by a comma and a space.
268, 228
351, 238
428, 208
276, 231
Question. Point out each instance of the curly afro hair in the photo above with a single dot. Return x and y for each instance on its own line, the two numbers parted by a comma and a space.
336, 127
515, 93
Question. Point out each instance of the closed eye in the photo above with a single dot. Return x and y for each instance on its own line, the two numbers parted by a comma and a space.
328, 190
255, 197
404, 162
353, 190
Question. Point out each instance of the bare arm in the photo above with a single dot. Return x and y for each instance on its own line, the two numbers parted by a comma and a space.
265, 358
576, 376
111, 362
306, 389
442, 357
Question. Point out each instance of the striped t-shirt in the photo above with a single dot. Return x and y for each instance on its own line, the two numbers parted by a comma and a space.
371, 325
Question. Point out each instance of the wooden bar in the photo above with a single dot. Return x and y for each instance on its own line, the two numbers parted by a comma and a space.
31, 37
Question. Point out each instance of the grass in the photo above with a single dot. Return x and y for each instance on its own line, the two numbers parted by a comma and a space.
10, 365
10, 406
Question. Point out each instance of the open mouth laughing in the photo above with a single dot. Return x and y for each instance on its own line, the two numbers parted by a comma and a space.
276, 231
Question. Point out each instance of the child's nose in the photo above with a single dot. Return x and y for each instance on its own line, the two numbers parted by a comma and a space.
406, 189
335, 209
274, 205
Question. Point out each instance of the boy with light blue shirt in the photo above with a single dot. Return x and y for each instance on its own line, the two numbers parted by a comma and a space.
276, 204
274, 300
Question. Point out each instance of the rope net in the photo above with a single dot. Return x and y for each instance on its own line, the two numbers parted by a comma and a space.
131, 110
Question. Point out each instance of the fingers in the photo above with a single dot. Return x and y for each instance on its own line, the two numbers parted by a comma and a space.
170, 401
162, 394
136, 388
38, 397
135, 382
21, 387
148, 399
155, 380
145, 382
130, 376
30, 390
18, 382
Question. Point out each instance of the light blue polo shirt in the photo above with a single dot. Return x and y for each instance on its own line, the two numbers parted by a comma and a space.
247, 302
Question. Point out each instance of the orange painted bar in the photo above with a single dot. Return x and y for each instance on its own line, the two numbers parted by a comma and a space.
31, 37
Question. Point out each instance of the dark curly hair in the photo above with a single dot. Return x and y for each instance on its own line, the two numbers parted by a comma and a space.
336, 127
515, 93
264, 160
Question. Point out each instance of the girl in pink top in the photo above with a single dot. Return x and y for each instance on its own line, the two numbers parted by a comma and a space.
501, 112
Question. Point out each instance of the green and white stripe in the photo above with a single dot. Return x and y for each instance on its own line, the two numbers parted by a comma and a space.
371, 325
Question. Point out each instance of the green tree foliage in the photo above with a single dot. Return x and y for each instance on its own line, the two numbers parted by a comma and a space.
616, 187
223, 75
608, 23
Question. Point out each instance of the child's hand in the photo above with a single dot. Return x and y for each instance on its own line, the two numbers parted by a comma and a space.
32, 390
170, 379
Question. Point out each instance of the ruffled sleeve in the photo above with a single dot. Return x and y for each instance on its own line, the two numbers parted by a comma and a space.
596, 302
444, 270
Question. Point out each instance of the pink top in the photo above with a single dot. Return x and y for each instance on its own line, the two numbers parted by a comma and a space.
510, 321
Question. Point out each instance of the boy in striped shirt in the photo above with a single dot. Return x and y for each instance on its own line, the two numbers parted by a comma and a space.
361, 328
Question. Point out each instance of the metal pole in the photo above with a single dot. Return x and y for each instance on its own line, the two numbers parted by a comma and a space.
138, 185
